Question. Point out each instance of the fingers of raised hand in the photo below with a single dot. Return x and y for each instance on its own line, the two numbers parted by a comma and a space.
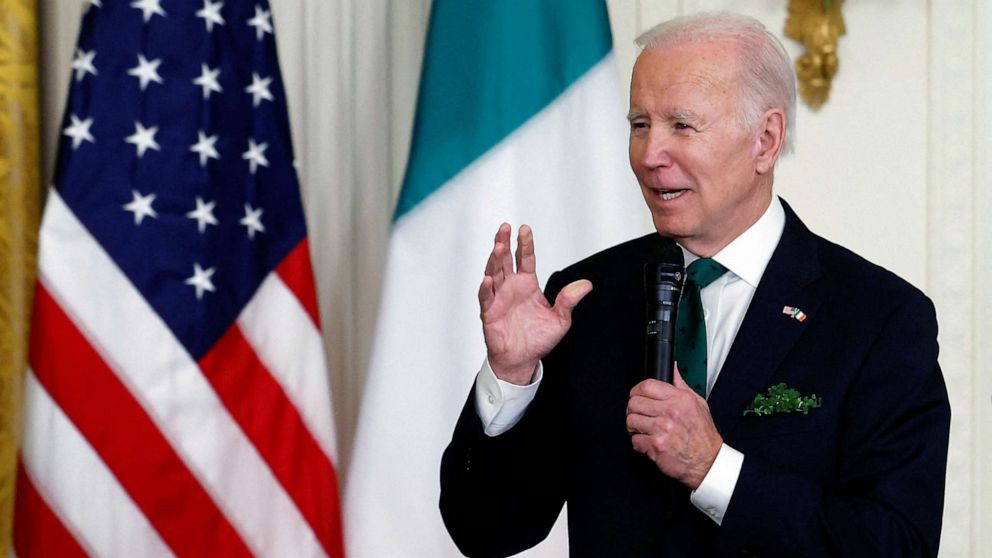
505, 255
526, 260
486, 293
502, 264
495, 263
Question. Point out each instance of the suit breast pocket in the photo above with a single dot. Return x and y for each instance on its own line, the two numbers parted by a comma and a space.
780, 424
793, 443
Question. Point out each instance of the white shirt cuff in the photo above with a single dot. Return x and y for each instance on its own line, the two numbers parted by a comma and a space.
500, 405
712, 497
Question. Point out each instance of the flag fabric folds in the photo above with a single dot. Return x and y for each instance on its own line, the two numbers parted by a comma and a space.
519, 118
177, 401
20, 198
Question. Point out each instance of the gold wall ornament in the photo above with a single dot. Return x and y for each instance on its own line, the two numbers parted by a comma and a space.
817, 24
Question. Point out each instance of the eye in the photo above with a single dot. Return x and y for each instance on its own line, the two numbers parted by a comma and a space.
683, 126
636, 125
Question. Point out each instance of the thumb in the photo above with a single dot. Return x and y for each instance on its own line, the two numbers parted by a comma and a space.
570, 296
677, 380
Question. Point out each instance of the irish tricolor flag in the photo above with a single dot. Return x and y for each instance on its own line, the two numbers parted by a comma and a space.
519, 119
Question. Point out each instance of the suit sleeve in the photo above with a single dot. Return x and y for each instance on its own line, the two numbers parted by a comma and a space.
888, 495
501, 495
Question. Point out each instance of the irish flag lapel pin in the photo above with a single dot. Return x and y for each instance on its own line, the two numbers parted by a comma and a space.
794, 313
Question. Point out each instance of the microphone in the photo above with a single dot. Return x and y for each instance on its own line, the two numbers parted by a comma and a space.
663, 275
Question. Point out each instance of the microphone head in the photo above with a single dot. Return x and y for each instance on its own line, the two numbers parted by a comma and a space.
665, 250
665, 264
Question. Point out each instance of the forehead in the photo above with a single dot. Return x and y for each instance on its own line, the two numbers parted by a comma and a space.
702, 71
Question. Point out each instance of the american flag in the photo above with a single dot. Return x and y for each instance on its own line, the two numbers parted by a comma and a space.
177, 402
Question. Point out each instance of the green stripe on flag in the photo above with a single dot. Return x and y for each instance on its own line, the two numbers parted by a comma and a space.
490, 65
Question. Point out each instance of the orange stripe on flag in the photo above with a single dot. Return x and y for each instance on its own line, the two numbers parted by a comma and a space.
126, 438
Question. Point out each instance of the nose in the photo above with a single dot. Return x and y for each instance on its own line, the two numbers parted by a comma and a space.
651, 149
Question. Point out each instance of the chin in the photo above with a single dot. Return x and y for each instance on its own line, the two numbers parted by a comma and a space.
669, 227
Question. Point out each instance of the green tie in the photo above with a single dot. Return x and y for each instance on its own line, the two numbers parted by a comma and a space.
690, 326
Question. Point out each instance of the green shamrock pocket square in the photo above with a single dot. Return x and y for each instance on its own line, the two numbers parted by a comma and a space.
780, 398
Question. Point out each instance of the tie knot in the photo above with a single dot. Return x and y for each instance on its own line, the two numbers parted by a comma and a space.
704, 271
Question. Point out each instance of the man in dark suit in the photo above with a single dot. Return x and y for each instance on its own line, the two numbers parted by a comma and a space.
561, 412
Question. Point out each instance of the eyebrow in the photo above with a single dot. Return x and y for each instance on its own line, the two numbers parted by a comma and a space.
677, 114
683, 114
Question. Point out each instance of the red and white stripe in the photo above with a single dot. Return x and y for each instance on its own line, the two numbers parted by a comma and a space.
132, 448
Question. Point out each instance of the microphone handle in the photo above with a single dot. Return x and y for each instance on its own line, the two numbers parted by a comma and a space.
663, 287
659, 348
660, 358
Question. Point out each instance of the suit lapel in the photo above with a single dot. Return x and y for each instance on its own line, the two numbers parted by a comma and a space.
767, 335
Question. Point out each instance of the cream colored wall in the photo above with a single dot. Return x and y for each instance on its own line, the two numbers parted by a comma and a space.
894, 167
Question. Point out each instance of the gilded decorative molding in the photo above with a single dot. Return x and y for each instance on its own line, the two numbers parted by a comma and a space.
818, 25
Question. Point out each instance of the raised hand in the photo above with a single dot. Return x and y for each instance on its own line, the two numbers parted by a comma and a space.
519, 325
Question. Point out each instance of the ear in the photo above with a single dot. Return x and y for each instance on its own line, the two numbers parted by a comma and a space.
771, 138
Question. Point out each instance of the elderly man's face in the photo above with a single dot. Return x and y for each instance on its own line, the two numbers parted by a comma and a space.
695, 163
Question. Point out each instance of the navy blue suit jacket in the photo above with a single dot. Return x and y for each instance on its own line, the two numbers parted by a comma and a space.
863, 475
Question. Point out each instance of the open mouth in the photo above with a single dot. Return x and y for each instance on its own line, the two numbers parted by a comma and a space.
670, 194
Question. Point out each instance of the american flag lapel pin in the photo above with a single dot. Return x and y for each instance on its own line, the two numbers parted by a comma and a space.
794, 313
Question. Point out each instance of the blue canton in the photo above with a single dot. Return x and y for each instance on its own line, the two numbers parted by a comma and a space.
175, 154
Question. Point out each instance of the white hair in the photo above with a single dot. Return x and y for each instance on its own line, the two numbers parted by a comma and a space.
766, 74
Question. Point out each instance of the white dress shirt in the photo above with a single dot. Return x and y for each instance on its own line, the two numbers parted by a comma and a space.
500, 405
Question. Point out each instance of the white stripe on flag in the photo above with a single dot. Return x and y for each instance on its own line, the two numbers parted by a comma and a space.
76, 484
162, 376
284, 338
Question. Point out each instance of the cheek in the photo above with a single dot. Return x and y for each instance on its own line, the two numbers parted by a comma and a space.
693, 164
635, 151
728, 160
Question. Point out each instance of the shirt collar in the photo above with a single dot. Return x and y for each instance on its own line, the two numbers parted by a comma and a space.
747, 255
